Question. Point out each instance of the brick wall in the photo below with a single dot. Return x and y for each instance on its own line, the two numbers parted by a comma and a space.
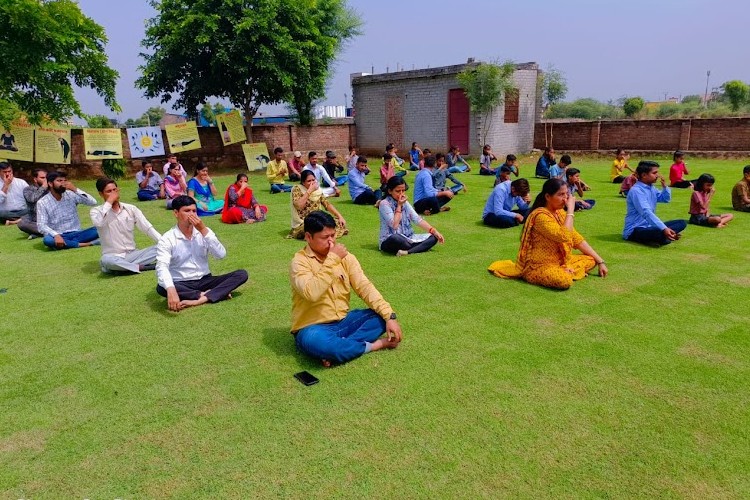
700, 134
337, 137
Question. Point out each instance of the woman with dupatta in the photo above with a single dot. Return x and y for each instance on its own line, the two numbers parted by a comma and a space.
546, 255
240, 205
307, 197
201, 188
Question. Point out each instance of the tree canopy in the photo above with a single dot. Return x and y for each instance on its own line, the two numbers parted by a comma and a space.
552, 86
249, 52
632, 106
736, 92
47, 48
485, 86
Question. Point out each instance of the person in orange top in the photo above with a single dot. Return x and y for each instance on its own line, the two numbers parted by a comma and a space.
548, 239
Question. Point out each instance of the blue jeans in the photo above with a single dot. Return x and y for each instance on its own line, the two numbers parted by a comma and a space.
72, 238
505, 221
147, 194
655, 235
457, 170
579, 205
341, 341
280, 188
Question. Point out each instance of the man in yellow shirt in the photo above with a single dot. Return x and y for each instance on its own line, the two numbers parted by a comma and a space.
276, 170
322, 276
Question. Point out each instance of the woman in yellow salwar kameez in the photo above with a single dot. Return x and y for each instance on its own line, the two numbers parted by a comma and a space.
546, 255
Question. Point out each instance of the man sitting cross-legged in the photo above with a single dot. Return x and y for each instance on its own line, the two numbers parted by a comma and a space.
57, 216
322, 276
116, 223
182, 261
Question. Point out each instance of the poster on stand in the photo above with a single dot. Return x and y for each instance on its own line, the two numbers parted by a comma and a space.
256, 155
17, 142
145, 142
102, 143
183, 137
231, 127
52, 143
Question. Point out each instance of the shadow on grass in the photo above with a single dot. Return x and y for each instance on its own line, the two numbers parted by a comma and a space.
370, 246
281, 343
615, 238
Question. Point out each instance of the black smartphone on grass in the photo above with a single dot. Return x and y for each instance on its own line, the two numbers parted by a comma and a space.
306, 378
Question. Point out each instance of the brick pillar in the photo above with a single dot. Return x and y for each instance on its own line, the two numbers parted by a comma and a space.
594, 139
292, 138
685, 135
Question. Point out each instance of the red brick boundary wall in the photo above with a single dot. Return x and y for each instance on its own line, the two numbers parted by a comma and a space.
699, 134
337, 137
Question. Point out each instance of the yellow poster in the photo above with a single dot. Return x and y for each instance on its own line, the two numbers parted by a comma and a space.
231, 127
52, 143
102, 143
17, 142
183, 137
256, 155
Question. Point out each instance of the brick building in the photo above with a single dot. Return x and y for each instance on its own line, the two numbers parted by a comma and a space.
428, 106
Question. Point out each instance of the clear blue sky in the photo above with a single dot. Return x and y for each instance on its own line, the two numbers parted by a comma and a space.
605, 49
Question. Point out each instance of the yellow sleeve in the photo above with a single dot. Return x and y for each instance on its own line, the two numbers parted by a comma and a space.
271, 171
549, 228
365, 289
311, 284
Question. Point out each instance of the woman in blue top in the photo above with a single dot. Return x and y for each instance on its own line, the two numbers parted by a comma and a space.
201, 188
397, 236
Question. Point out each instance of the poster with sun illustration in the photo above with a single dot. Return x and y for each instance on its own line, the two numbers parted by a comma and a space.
145, 142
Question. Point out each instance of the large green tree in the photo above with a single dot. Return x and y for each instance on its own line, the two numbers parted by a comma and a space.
485, 86
632, 106
736, 92
249, 52
552, 87
48, 46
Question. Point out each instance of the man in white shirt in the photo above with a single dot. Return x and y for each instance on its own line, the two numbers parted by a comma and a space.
182, 261
320, 173
12, 202
116, 223
57, 216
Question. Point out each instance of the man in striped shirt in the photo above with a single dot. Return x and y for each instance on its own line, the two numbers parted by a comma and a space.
57, 216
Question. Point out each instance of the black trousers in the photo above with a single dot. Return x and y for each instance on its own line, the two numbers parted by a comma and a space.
396, 242
218, 287
367, 197
432, 204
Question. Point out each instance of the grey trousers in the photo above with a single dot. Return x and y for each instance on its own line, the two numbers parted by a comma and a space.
6, 215
29, 226
130, 262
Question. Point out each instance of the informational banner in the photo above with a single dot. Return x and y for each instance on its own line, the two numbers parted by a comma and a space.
53, 144
256, 155
102, 143
230, 125
17, 142
183, 137
145, 142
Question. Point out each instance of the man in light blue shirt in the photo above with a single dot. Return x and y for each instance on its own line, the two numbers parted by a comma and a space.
427, 199
498, 211
641, 223
361, 193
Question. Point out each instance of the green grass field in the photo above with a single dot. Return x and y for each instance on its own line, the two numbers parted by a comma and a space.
632, 386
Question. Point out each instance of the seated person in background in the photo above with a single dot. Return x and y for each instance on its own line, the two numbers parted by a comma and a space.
456, 164
333, 168
498, 211
321, 175
361, 193
503, 174
174, 184
425, 153
573, 180
557, 171
295, 166
741, 192
12, 202
182, 261
396, 162
511, 162
397, 236
201, 188
32, 194
415, 154
619, 165
116, 223
427, 199
322, 276
150, 185
172, 160
485, 161
628, 183
351, 159
276, 170
546, 255
545, 162
641, 223
307, 197
240, 205
57, 216
440, 174
701, 201
677, 172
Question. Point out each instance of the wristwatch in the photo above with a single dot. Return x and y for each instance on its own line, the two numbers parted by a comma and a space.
393, 316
